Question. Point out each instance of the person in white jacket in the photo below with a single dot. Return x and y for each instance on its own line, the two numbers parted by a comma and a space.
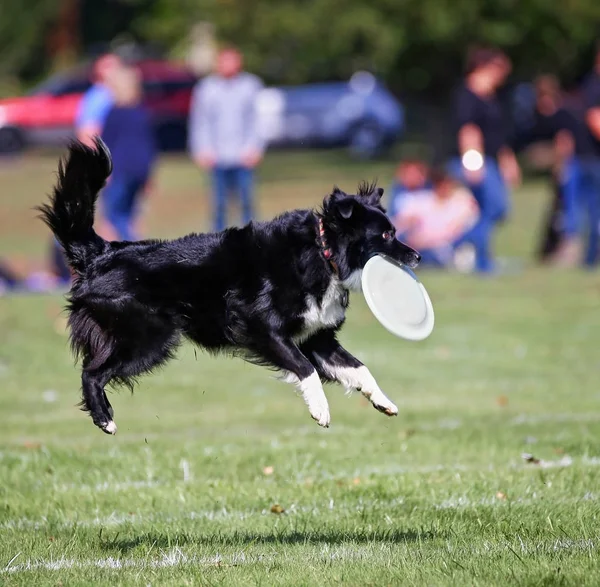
223, 132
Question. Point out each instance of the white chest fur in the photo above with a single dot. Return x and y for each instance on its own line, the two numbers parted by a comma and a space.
329, 312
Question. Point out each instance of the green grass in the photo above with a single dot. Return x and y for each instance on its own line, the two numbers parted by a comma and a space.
438, 496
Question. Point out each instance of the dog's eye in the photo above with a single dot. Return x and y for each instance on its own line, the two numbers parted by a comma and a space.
387, 235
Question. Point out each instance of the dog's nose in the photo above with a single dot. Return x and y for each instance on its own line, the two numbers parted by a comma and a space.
414, 259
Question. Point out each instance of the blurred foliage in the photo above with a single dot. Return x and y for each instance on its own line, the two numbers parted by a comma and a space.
22, 36
414, 44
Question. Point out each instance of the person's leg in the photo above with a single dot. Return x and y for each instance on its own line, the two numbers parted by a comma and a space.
479, 237
220, 187
492, 197
245, 187
550, 233
495, 202
569, 187
564, 220
112, 198
431, 258
129, 208
119, 197
593, 212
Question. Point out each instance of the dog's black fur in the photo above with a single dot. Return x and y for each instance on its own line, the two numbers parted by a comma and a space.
244, 290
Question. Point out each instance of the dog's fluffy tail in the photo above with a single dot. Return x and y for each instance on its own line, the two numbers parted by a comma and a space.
70, 212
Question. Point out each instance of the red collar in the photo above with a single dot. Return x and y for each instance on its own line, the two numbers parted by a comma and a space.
327, 253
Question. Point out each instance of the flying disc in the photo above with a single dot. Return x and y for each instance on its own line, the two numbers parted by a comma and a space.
397, 298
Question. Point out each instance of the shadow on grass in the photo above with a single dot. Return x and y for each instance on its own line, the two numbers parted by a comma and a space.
238, 539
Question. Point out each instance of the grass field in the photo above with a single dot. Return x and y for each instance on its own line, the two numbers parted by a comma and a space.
219, 476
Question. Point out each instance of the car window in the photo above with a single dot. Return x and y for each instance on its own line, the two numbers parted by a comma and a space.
62, 86
72, 87
168, 86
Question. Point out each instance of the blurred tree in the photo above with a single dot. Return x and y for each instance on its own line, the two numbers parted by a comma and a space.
414, 44
63, 40
37, 36
106, 22
23, 36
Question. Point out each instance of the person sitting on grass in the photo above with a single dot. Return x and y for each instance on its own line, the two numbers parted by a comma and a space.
439, 221
410, 179
8, 279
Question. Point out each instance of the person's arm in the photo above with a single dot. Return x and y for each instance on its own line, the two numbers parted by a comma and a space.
470, 138
509, 166
93, 111
201, 148
464, 212
255, 144
563, 149
593, 121
110, 129
470, 141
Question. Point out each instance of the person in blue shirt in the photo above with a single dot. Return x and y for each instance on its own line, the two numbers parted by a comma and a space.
89, 122
129, 134
97, 101
411, 178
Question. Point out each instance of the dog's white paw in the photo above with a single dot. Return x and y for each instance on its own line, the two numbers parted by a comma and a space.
314, 396
320, 413
110, 428
383, 404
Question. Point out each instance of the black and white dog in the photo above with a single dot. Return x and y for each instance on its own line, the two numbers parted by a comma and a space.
273, 292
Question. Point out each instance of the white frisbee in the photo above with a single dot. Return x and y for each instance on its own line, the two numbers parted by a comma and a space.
397, 298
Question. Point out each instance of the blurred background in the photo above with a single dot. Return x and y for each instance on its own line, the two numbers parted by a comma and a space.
479, 119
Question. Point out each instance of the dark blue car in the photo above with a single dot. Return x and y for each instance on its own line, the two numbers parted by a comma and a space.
360, 114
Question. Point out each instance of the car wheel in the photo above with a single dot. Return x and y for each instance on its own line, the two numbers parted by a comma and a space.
367, 139
11, 140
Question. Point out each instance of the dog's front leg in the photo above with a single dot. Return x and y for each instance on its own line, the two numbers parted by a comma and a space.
334, 363
297, 369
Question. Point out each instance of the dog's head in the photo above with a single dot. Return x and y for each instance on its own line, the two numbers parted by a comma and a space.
357, 228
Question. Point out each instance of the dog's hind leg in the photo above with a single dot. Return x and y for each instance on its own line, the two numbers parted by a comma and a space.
95, 400
334, 363
297, 369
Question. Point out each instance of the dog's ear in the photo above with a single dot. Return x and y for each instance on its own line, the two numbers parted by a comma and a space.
374, 198
335, 195
345, 207
370, 194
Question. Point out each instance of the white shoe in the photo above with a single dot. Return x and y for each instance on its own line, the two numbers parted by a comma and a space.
464, 258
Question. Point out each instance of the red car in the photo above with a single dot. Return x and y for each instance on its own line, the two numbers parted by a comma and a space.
46, 115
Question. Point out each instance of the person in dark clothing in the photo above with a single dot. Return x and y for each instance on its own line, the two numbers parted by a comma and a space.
129, 135
483, 159
552, 121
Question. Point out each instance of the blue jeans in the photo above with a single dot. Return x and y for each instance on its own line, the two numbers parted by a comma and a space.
493, 199
588, 197
569, 186
119, 199
232, 179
